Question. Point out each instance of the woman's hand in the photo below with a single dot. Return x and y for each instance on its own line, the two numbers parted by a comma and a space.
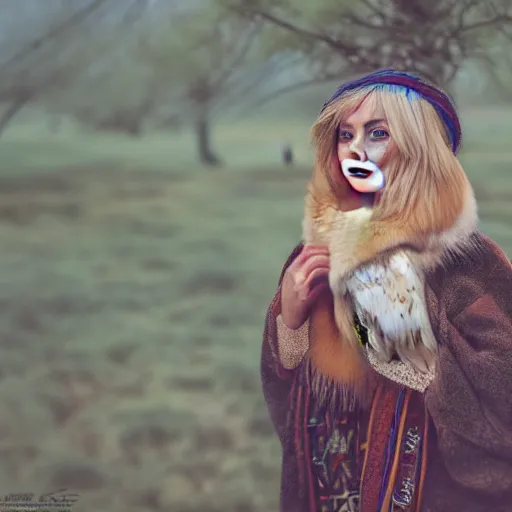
302, 283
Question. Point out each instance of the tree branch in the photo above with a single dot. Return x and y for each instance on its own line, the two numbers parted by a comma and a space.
11, 111
34, 45
305, 33
242, 89
374, 9
290, 88
447, 10
233, 65
498, 20
353, 19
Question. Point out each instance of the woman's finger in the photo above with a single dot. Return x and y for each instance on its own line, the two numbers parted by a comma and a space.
319, 260
307, 252
316, 276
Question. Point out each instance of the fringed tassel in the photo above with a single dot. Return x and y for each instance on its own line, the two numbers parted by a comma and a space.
339, 369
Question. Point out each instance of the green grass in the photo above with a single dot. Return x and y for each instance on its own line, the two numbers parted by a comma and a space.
134, 291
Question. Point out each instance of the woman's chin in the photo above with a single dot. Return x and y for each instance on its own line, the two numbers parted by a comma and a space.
364, 198
354, 200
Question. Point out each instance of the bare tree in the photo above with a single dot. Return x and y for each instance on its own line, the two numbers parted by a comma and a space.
46, 50
179, 63
115, 93
198, 60
341, 38
33, 65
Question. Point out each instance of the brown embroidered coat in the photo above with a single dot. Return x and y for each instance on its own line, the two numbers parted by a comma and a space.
466, 461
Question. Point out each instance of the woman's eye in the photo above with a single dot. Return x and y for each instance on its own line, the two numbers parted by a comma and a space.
344, 135
379, 134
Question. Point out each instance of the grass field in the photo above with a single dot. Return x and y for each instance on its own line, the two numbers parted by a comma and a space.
134, 291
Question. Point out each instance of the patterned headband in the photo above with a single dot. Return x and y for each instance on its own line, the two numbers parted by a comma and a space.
434, 95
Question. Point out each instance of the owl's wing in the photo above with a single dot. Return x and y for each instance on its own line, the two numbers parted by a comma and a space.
389, 300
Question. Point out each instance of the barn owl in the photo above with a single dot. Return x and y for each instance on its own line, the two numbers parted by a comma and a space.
388, 298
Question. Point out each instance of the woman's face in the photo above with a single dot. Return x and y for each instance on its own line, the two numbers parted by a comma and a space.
364, 135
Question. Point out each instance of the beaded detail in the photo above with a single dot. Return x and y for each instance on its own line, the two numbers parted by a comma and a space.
401, 373
292, 343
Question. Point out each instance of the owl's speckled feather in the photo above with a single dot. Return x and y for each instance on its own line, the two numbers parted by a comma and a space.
388, 298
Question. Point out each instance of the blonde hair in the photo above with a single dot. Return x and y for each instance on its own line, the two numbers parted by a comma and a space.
425, 183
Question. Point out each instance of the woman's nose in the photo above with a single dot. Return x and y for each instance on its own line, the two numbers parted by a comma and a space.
358, 151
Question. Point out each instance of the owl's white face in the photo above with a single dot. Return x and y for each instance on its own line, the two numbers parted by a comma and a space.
364, 137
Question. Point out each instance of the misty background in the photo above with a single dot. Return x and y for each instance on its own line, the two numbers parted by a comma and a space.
153, 162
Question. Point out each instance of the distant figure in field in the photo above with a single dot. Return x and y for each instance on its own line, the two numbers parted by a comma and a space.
287, 155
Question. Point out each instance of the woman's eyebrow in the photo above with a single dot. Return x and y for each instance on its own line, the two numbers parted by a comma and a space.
367, 125
373, 122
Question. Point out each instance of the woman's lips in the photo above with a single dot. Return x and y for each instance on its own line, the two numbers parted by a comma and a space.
364, 176
359, 172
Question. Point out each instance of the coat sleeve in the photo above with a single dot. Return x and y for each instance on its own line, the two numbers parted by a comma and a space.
470, 400
276, 379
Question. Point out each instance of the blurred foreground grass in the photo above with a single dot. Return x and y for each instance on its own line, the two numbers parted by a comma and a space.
134, 291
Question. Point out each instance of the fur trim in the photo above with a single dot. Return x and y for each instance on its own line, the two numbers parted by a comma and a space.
337, 369
378, 271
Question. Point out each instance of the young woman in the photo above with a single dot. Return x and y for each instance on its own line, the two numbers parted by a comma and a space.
387, 352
